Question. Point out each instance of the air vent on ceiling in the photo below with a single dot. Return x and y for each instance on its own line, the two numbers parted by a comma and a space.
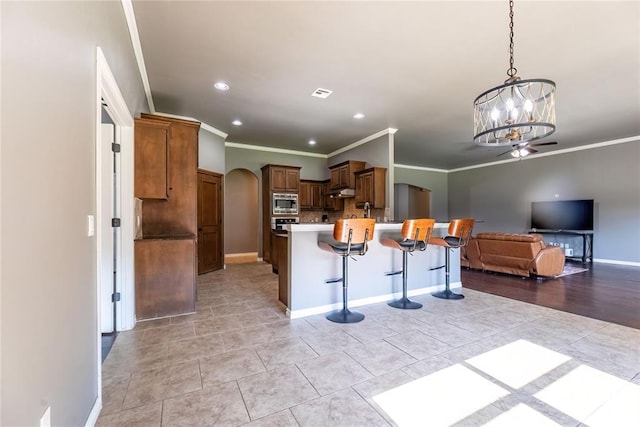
322, 93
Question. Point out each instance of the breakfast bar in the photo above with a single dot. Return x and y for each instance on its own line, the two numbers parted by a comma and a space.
308, 267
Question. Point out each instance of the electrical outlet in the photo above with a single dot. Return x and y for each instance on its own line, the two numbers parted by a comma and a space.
45, 420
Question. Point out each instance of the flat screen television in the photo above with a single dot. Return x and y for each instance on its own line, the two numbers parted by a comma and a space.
574, 215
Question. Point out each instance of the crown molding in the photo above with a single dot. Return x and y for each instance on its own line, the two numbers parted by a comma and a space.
203, 125
130, 16
363, 141
273, 150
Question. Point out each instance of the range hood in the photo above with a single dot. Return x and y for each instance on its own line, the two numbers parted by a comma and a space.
343, 193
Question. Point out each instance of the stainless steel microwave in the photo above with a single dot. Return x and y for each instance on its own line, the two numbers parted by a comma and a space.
285, 203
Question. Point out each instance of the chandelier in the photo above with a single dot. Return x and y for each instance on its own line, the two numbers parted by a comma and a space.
516, 111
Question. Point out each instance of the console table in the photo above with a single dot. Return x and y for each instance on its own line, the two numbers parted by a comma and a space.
587, 241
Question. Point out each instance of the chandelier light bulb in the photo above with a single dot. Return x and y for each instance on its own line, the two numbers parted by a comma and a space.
528, 106
495, 114
509, 104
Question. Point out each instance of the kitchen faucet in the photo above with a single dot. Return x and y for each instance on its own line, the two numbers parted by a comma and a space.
367, 210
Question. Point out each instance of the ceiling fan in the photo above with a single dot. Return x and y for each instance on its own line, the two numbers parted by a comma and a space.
524, 149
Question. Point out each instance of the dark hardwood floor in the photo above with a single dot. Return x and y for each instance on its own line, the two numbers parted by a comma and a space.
607, 292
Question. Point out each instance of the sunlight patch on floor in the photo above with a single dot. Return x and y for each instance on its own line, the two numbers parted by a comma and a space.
521, 416
442, 398
518, 363
621, 410
582, 391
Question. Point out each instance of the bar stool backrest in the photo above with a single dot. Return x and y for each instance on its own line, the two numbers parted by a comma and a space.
417, 229
461, 228
354, 230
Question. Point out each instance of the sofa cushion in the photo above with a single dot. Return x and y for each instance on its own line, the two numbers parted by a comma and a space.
508, 248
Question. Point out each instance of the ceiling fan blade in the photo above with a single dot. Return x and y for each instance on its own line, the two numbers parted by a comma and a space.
506, 152
541, 144
531, 150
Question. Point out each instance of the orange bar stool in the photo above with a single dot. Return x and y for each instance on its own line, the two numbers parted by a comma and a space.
415, 235
350, 237
457, 237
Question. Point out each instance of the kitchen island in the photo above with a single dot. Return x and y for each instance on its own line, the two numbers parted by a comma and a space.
309, 266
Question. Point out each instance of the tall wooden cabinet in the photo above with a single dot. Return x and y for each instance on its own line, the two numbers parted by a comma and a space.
165, 264
275, 179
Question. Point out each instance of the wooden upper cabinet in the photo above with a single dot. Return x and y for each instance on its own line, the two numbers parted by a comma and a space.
285, 178
150, 153
371, 187
176, 214
311, 195
342, 174
292, 181
317, 196
278, 179
331, 203
304, 196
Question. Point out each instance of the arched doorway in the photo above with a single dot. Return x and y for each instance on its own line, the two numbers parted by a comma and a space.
241, 210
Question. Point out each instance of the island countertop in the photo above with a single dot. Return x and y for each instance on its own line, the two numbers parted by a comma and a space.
309, 267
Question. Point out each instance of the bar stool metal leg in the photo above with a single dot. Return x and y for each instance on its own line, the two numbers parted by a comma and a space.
447, 294
345, 315
404, 302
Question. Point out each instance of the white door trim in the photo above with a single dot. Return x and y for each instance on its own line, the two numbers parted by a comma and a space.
107, 89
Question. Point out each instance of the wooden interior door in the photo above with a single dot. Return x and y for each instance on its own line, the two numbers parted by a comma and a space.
210, 225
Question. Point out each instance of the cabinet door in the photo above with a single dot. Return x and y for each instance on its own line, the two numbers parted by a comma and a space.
316, 196
361, 196
344, 176
278, 179
165, 277
210, 226
292, 179
334, 184
304, 196
150, 181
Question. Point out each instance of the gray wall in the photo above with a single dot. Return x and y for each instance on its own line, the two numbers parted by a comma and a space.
501, 195
241, 208
211, 152
48, 277
435, 181
375, 152
252, 160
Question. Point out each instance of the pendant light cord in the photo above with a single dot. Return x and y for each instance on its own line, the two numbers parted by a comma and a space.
511, 72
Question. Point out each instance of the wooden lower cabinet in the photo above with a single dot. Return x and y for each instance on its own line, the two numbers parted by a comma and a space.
165, 274
281, 242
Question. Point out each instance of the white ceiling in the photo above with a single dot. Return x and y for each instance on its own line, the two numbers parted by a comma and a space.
414, 66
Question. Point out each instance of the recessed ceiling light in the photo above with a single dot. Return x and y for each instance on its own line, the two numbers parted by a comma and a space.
312, 142
236, 122
221, 86
358, 116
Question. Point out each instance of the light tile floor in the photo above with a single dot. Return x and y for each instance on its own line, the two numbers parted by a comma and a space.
240, 361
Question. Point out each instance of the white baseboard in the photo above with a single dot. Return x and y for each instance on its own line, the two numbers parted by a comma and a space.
296, 314
615, 261
241, 258
95, 413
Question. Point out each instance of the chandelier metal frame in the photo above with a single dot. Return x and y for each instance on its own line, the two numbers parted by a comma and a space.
517, 111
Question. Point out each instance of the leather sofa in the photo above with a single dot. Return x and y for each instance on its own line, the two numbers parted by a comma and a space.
519, 254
